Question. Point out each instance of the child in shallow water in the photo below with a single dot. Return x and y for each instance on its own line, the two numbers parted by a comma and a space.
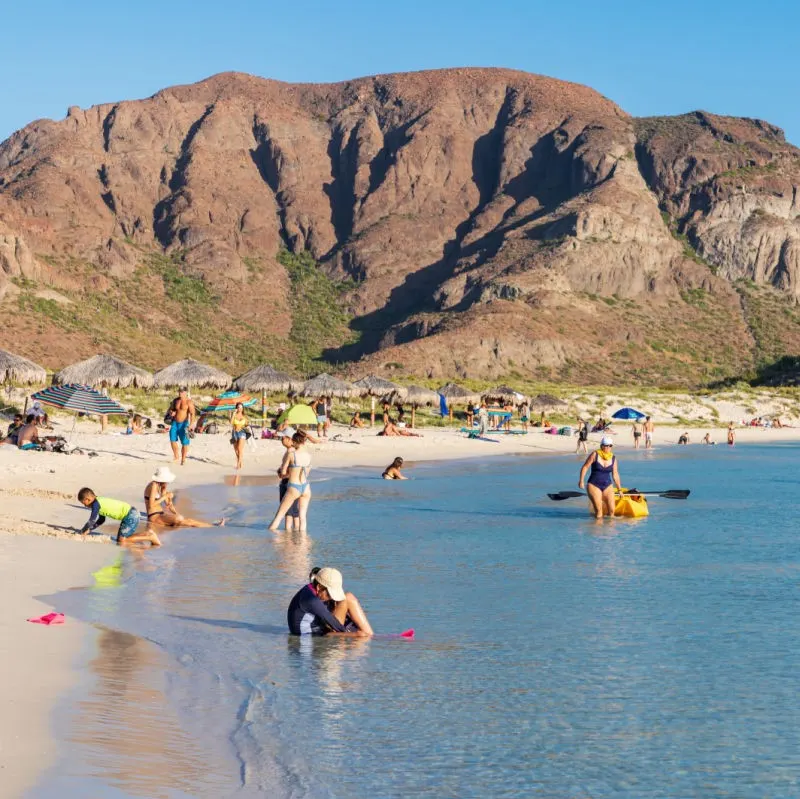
392, 471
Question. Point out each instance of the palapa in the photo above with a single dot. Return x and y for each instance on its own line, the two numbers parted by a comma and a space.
503, 394
543, 401
16, 369
325, 385
104, 370
375, 386
453, 392
416, 395
189, 372
266, 378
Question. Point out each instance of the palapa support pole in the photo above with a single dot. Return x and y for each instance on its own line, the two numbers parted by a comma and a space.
413, 414
450, 406
372, 412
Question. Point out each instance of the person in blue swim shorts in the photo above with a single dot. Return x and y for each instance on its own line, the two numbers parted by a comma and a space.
182, 414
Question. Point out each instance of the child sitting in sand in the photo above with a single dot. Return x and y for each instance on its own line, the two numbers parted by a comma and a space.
103, 508
392, 471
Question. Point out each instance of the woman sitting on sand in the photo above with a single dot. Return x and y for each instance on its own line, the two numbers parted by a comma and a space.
391, 429
298, 487
159, 505
392, 471
322, 607
357, 421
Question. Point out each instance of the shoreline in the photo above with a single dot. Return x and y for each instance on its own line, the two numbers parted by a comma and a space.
38, 557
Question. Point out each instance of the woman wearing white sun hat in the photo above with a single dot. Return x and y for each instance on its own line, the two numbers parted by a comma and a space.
604, 475
159, 504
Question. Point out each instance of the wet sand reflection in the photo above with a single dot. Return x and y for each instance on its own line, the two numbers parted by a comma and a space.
131, 738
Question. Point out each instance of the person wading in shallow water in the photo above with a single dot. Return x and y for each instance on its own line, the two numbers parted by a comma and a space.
603, 476
181, 414
648, 432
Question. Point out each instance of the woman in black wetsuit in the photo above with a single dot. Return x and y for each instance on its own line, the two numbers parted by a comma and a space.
603, 477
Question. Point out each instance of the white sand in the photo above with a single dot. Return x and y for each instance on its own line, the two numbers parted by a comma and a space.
37, 500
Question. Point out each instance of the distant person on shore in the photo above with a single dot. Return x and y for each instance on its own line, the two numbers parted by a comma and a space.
356, 421
181, 415
391, 429
470, 414
684, 439
293, 514
239, 432
14, 428
583, 436
297, 487
483, 419
321, 412
322, 607
707, 439
524, 415
103, 508
649, 427
159, 505
392, 471
135, 426
603, 476
637, 433
40, 415
731, 434
28, 434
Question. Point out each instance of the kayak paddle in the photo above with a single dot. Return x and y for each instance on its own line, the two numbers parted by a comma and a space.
673, 493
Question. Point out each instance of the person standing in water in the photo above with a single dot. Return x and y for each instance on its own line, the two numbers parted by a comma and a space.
648, 432
298, 487
637, 433
182, 414
239, 431
603, 477
293, 514
731, 434
583, 435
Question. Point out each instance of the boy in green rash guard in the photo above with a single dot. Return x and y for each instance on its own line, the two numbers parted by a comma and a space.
105, 507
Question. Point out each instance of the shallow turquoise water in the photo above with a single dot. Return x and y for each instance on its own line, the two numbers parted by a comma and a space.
554, 657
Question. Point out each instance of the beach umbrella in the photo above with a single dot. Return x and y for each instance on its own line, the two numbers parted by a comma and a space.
189, 372
374, 386
82, 399
266, 379
298, 414
627, 413
16, 369
104, 370
228, 400
325, 385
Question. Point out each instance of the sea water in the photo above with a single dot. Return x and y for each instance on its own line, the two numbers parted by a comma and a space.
554, 656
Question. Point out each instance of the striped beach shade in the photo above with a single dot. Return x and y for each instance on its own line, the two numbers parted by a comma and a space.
82, 399
228, 400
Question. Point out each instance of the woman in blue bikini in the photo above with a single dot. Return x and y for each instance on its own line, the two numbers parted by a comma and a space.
603, 477
298, 487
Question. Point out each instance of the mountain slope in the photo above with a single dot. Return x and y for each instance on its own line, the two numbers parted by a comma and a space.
469, 222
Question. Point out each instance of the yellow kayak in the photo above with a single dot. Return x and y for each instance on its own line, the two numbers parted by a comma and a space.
633, 506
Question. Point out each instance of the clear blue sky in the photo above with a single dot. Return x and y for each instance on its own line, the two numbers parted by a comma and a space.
650, 57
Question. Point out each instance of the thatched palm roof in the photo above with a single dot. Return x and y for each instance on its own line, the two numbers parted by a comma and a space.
453, 392
189, 372
106, 369
16, 369
542, 401
265, 378
325, 385
416, 395
375, 386
503, 394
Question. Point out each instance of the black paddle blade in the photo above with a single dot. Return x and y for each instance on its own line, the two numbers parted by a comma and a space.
676, 494
566, 495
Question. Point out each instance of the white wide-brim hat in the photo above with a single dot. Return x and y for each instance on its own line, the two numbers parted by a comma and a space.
163, 475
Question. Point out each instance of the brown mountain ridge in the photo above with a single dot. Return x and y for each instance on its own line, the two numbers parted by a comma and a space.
461, 222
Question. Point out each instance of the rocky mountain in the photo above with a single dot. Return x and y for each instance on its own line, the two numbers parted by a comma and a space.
464, 222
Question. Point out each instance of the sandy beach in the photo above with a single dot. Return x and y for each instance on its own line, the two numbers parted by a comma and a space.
40, 554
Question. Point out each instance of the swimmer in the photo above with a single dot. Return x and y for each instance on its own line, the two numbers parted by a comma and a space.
159, 504
322, 607
392, 471
103, 508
